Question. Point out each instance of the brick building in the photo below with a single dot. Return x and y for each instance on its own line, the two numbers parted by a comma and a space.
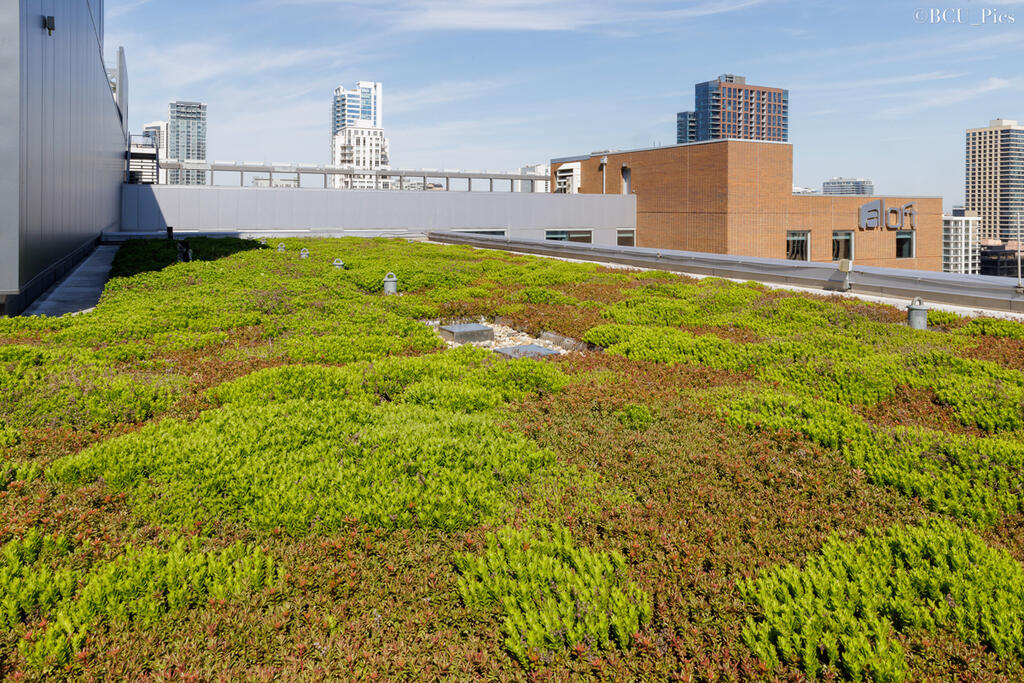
736, 197
729, 108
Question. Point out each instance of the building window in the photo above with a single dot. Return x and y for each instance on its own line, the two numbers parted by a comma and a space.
493, 233
798, 246
904, 244
568, 236
625, 238
842, 245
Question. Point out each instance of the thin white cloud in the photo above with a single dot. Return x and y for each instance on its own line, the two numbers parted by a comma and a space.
949, 97
822, 112
939, 45
868, 83
612, 16
445, 92
118, 8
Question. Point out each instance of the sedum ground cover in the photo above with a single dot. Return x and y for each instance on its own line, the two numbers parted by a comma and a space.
256, 466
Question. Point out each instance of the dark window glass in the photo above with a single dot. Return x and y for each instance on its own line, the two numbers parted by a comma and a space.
905, 244
842, 245
625, 238
568, 235
797, 246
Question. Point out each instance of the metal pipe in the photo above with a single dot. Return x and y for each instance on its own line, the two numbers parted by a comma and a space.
1020, 283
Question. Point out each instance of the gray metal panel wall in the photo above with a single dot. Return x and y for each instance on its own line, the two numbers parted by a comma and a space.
96, 8
233, 209
10, 127
72, 143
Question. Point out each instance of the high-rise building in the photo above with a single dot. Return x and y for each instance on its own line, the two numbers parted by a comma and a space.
729, 108
361, 106
858, 186
357, 135
686, 127
960, 245
995, 178
361, 149
186, 140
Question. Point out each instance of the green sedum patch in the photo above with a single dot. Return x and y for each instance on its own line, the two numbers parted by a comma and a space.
9, 437
991, 327
636, 417
553, 594
309, 466
978, 479
440, 378
139, 586
840, 613
400, 443
77, 388
839, 369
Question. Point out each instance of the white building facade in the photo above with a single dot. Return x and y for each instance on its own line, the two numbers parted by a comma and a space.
845, 186
960, 246
186, 140
534, 185
357, 136
360, 149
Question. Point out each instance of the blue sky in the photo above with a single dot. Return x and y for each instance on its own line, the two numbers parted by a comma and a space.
878, 89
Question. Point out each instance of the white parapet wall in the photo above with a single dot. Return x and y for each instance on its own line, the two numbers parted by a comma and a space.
524, 215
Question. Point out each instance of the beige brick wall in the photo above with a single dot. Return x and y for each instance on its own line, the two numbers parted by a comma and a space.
735, 197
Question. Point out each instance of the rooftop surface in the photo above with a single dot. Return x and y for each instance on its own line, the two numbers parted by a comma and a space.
256, 465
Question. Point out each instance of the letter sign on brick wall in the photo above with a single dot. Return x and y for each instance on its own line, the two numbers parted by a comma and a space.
874, 213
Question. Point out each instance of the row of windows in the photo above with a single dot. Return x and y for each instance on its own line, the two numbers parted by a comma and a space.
752, 94
624, 237
798, 245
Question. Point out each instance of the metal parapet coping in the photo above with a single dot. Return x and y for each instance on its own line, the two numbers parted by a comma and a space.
973, 291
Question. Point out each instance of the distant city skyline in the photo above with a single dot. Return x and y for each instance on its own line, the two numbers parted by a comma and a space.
469, 88
848, 186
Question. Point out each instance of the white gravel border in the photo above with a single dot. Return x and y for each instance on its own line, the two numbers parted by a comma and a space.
504, 336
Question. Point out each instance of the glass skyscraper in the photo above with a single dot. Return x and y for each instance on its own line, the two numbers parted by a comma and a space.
729, 108
186, 141
360, 107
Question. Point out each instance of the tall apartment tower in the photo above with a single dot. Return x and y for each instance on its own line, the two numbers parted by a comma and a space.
362, 106
857, 186
357, 135
186, 140
729, 108
995, 178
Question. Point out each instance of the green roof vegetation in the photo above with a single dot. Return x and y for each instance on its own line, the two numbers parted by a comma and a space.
258, 466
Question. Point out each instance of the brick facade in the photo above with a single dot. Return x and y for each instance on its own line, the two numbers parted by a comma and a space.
736, 197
